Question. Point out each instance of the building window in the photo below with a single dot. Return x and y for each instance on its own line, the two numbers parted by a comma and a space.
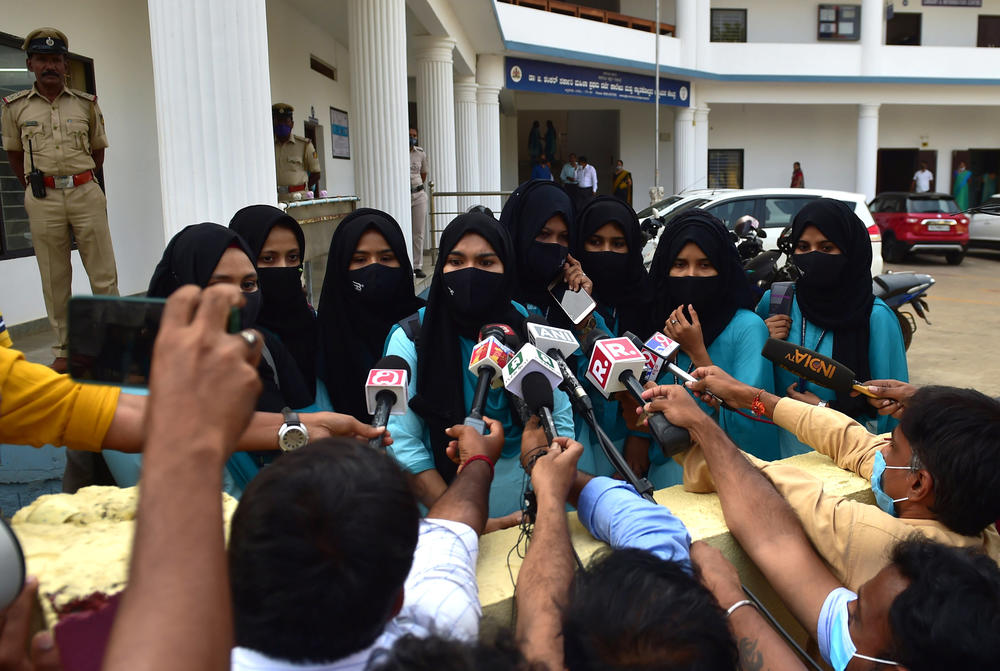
15, 234
725, 168
903, 29
324, 69
729, 25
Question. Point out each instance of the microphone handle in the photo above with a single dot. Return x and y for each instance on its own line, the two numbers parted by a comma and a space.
548, 423
688, 377
578, 396
482, 388
671, 439
384, 400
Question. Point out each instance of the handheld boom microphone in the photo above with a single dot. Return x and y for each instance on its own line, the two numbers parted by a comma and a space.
813, 366
489, 356
385, 392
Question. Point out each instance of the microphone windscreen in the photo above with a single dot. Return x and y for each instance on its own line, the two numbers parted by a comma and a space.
503, 333
537, 391
809, 364
591, 339
393, 362
639, 344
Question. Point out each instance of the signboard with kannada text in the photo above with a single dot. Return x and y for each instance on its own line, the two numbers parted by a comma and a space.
523, 74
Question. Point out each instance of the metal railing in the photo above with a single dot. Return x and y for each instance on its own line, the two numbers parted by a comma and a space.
440, 218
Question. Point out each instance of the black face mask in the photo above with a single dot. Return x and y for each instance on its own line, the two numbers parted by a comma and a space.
820, 270
375, 283
280, 284
472, 292
607, 269
249, 312
544, 260
702, 292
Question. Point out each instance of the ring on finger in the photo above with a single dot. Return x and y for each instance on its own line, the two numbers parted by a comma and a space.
674, 321
249, 337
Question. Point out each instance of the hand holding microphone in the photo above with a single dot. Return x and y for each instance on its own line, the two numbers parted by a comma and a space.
489, 356
467, 442
386, 393
893, 396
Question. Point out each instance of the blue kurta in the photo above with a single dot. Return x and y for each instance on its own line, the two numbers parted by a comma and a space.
737, 351
886, 360
411, 445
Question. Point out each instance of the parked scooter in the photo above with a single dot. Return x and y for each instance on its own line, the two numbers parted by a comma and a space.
901, 289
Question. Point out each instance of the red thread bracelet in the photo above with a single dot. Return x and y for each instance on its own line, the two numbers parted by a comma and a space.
479, 457
757, 407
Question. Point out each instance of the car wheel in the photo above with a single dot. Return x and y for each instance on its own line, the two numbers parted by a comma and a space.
893, 251
954, 258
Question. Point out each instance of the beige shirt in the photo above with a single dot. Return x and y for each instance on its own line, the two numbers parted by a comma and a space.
63, 133
418, 164
294, 160
853, 537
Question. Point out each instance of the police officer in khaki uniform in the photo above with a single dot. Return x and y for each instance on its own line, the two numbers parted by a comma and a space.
295, 159
418, 202
57, 133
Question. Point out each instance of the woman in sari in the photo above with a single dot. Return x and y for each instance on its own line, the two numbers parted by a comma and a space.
622, 186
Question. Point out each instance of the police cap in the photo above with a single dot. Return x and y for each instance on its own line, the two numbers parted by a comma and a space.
281, 110
46, 41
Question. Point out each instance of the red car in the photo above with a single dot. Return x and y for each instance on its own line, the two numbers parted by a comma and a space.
920, 222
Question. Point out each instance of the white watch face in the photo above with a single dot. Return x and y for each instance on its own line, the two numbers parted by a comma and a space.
292, 437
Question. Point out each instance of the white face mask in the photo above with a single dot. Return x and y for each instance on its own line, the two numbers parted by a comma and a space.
834, 635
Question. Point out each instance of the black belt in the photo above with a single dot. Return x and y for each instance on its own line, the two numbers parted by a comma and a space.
417, 188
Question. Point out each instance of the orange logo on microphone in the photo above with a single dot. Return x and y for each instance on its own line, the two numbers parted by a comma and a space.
800, 358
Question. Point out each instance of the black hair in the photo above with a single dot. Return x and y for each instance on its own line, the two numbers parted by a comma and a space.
320, 546
413, 653
582, 159
953, 434
632, 610
949, 615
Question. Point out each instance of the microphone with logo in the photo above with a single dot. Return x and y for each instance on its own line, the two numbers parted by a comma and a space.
659, 348
559, 344
385, 392
615, 365
813, 366
532, 375
489, 356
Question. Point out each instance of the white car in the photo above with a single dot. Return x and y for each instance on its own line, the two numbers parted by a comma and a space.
773, 208
984, 229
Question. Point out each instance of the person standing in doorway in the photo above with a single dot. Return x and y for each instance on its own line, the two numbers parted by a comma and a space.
989, 185
296, 164
587, 180
568, 177
961, 189
923, 179
551, 140
798, 179
62, 132
418, 201
541, 170
621, 188
535, 141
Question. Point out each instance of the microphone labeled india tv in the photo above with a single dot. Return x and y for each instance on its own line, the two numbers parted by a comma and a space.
526, 374
559, 344
813, 366
385, 391
615, 365
488, 358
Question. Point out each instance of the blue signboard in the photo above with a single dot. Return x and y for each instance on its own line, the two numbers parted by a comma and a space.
575, 80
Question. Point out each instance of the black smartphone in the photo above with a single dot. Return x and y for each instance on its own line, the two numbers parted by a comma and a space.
111, 338
576, 304
782, 294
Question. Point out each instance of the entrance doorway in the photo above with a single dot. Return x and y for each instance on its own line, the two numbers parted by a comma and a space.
590, 133
989, 31
896, 167
903, 28
984, 164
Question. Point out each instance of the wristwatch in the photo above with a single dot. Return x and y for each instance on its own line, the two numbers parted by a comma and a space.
293, 433
822, 404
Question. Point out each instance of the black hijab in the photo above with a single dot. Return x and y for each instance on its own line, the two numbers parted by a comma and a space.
190, 258
440, 398
523, 216
835, 291
284, 309
620, 280
353, 332
727, 292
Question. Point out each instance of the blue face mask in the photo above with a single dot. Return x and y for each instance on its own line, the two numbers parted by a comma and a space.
884, 501
413, 141
834, 635
282, 131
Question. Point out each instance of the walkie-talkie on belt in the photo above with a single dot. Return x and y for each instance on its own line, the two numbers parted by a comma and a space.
36, 177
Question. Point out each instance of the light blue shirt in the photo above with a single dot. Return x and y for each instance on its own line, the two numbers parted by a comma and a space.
411, 446
886, 360
568, 174
613, 512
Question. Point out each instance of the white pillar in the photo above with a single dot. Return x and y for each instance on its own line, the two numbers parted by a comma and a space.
230, 123
871, 36
379, 110
436, 121
684, 147
490, 76
867, 149
466, 140
686, 30
701, 147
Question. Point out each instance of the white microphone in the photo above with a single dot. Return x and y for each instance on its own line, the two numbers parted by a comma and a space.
386, 391
548, 338
529, 360
611, 360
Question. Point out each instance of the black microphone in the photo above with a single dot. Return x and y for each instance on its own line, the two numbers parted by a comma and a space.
813, 366
385, 392
489, 356
538, 397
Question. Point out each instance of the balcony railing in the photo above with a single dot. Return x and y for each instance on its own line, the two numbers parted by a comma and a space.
594, 14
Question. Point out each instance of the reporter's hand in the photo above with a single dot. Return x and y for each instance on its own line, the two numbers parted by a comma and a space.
804, 396
717, 574
893, 396
779, 326
574, 276
736, 394
467, 442
533, 439
676, 404
200, 373
15, 627
326, 424
554, 473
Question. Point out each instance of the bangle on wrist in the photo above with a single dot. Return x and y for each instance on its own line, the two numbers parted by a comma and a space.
533, 455
757, 406
479, 457
739, 604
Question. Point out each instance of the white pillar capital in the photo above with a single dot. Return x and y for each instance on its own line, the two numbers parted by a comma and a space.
466, 89
685, 114
869, 110
490, 71
429, 48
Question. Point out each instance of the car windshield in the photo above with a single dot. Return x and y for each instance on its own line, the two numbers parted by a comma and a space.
940, 205
683, 207
660, 205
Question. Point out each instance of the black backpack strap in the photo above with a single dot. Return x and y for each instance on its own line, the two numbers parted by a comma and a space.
411, 326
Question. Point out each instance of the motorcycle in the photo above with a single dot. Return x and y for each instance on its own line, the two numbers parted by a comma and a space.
901, 289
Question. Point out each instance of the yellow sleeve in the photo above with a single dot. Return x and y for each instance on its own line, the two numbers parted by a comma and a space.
98, 136
5, 340
11, 133
311, 158
832, 433
40, 407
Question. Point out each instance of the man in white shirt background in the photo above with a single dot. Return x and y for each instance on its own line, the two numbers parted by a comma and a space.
587, 181
922, 179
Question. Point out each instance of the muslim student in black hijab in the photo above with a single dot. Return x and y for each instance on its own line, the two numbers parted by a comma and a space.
368, 287
472, 286
538, 217
835, 313
206, 254
704, 302
277, 243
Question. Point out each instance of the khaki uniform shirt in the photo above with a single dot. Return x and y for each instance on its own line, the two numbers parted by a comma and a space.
418, 164
853, 537
63, 133
294, 160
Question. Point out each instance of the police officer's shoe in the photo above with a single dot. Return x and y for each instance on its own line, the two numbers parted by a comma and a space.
418, 273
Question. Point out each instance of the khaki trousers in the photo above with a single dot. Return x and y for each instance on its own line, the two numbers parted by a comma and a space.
418, 214
82, 210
